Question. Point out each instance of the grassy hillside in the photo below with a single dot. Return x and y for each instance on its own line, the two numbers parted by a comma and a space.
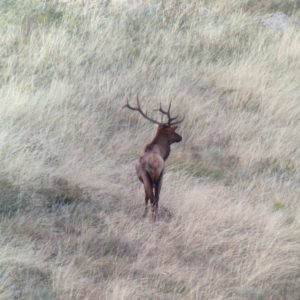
71, 207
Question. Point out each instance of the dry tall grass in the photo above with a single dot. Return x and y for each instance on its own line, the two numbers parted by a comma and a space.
71, 206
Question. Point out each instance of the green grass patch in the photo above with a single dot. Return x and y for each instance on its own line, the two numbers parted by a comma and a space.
288, 213
35, 12
41, 16
199, 170
274, 166
169, 286
278, 206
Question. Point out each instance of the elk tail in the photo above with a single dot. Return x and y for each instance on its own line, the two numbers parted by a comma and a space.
149, 170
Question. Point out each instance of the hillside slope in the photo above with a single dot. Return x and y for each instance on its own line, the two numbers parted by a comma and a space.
71, 206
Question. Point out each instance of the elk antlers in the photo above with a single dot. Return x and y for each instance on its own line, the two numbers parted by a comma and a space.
171, 120
138, 108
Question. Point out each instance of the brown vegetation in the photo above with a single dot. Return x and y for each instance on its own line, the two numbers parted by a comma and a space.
70, 205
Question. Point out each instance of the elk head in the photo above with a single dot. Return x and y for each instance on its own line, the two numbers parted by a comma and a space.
165, 129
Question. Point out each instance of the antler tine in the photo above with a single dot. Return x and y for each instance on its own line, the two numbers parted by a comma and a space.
176, 122
169, 108
167, 113
163, 111
138, 102
138, 109
127, 105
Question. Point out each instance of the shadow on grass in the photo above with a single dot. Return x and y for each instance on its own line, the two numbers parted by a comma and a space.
30, 282
61, 193
12, 200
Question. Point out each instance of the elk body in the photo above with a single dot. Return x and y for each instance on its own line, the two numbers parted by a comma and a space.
151, 165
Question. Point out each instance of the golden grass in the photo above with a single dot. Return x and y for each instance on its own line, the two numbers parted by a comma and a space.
71, 205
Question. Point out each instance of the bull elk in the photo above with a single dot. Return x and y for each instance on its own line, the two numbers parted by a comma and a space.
151, 164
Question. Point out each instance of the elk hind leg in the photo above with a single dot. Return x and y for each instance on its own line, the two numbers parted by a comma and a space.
148, 186
146, 206
157, 189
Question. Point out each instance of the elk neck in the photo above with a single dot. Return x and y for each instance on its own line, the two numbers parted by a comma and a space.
161, 144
